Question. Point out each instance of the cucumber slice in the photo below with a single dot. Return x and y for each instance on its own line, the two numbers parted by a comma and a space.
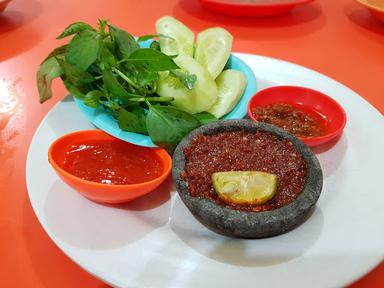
245, 187
200, 98
213, 47
182, 37
231, 85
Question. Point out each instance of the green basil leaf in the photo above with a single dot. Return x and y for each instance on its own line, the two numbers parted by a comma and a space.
133, 120
92, 98
205, 117
125, 42
147, 78
102, 23
75, 28
155, 45
59, 51
95, 70
152, 60
83, 50
107, 59
75, 75
73, 90
111, 107
110, 44
49, 70
167, 125
188, 80
115, 88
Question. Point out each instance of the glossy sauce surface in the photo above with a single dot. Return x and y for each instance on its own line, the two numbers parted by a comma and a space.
244, 151
293, 120
112, 162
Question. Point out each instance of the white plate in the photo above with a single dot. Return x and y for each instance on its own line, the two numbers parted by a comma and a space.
155, 242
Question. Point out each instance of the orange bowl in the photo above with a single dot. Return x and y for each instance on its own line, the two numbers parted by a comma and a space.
99, 192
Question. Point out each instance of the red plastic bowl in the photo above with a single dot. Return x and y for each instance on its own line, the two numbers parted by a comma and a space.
307, 100
261, 8
98, 192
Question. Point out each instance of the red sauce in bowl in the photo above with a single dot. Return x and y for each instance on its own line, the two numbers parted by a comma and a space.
244, 151
295, 121
112, 162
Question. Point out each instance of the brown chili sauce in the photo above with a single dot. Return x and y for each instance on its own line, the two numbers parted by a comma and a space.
244, 151
291, 119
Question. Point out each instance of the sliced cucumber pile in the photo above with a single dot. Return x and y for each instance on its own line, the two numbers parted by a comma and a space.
230, 84
179, 38
213, 48
216, 91
200, 98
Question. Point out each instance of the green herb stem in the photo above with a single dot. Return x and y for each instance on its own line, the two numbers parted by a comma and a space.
152, 99
125, 78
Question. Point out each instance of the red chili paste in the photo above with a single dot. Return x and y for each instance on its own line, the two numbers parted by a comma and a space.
244, 151
112, 162
291, 119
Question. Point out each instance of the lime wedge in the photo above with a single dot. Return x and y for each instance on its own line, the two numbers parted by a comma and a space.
230, 85
213, 47
245, 187
200, 98
181, 37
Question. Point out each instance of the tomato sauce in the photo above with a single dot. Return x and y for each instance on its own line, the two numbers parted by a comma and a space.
293, 120
112, 162
244, 151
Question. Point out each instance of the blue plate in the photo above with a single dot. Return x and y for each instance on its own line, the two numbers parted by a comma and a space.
104, 121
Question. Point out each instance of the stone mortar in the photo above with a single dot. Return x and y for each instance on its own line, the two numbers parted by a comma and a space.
242, 224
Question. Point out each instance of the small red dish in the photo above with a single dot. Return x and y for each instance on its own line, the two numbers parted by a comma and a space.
309, 101
249, 8
100, 192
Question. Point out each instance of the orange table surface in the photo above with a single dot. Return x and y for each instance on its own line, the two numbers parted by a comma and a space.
337, 38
